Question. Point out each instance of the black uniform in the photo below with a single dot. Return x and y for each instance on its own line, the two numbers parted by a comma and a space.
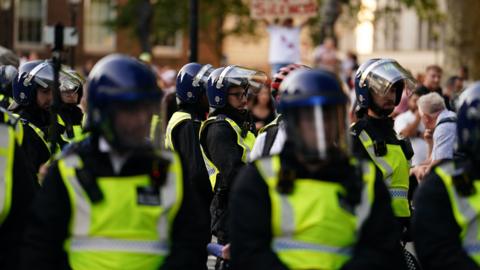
48, 227
251, 233
71, 115
186, 142
11, 230
219, 142
436, 233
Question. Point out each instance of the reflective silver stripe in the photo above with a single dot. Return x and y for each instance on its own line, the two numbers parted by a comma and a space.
362, 210
380, 161
470, 240
4, 139
105, 244
284, 244
398, 193
287, 225
266, 167
168, 195
82, 213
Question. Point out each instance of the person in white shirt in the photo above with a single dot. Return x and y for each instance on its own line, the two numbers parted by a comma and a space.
408, 125
440, 133
284, 44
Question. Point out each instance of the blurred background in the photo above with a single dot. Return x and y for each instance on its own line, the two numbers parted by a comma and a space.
169, 33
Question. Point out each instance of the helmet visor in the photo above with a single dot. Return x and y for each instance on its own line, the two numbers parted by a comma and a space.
202, 76
382, 74
319, 132
250, 80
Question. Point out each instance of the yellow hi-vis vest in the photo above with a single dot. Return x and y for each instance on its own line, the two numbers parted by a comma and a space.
118, 232
77, 131
246, 143
176, 119
466, 211
310, 228
395, 169
7, 152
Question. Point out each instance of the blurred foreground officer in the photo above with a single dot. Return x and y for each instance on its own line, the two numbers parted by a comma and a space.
271, 138
445, 223
17, 187
313, 206
226, 137
184, 127
113, 202
379, 84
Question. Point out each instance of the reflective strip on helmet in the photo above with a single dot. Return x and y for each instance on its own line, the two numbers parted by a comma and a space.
105, 244
380, 161
222, 76
198, 78
398, 193
283, 244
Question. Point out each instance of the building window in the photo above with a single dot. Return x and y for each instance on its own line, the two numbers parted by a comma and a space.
168, 45
30, 18
99, 37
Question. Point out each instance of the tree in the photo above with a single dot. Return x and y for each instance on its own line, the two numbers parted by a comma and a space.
462, 45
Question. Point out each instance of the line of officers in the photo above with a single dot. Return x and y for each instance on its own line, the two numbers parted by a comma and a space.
308, 192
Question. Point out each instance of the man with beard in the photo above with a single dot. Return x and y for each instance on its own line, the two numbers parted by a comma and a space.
379, 84
227, 136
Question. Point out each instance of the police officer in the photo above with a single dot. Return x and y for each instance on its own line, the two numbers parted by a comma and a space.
313, 206
7, 74
32, 96
70, 116
17, 187
184, 127
447, 204
379, 84
114, 202
227, 135
271, 138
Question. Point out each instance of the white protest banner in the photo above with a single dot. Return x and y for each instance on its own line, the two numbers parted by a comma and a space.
266, 9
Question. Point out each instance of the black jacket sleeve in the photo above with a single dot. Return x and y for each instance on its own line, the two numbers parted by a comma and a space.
24, 187
47, 227
225, 153
378, 246
250, 223
186, 143
435, 231
189, 245
35, 149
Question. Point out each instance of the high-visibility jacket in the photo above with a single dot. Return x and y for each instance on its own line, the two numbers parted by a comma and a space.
395, 169
246, 142
7, 152
130, 227
177, 118
465, 209
310, 227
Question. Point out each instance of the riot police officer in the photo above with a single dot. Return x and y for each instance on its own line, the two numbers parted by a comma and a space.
313, 206
227, 135
184, 126
17, 187
271, 137
113, 202
379, 84
447, 204
7, 74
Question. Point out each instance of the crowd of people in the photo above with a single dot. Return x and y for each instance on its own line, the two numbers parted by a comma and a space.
129, 169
